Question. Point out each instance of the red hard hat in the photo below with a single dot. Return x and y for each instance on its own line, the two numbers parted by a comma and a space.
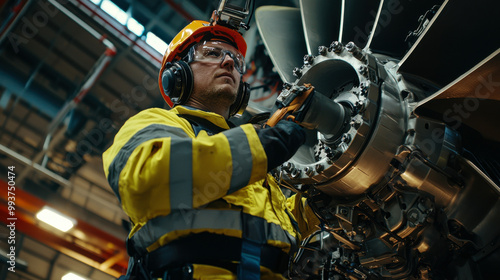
193, 33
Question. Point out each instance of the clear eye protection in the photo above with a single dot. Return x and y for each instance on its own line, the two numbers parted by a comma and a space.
216, 52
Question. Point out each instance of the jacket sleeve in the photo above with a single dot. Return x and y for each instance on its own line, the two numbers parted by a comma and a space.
307, 221
281, 142
156, 164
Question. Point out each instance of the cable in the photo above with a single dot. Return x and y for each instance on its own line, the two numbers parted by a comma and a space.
251, 13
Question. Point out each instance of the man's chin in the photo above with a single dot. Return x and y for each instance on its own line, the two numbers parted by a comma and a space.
227, 91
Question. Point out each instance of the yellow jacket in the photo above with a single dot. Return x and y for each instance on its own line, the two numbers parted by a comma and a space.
173, 183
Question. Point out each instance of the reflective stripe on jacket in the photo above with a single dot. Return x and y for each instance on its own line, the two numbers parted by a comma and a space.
172, 183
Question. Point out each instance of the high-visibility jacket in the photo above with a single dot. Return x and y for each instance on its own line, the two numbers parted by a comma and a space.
173, 182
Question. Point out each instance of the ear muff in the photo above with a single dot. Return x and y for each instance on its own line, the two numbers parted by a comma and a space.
177, 81
241, 102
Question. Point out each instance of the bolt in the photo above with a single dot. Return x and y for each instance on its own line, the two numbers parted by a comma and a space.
346, 138
356, 124
364, 91
330, 152
359, 105
319, 167
355, 50
363, 70
297, 72
351, 47
295, 173
322, 50
287, 86
309, 171
288, 166
336, 46
308, 59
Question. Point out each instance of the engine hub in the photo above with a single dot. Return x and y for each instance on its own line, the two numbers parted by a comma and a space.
354, 79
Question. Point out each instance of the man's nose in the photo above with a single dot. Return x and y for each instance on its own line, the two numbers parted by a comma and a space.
227, 60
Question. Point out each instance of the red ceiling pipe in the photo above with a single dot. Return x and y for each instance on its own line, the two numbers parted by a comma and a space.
180, 10
125, 35
96, 71
17, 13
94, 247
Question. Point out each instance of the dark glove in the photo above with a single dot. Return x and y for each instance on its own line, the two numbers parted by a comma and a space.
281, 142
292, 104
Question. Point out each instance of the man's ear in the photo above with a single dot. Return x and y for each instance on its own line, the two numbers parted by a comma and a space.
241, 102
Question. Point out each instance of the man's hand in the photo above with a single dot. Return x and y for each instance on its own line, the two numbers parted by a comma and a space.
311, 110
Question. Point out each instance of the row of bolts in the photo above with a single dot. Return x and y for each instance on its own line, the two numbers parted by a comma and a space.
336, 47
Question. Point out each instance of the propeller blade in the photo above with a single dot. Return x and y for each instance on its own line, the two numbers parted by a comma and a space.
395, 21
321, 21
460, 35
281, 32
473, 100
358, 20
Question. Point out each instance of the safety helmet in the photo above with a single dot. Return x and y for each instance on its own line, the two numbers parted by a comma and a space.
175, 78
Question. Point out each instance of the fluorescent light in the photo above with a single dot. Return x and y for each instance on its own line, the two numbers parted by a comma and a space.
96, 2
155, 42
55, 219
135, 26
72, 276
114, 11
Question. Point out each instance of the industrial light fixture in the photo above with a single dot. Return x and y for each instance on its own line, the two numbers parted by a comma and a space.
56, 219
72, 276
156, 43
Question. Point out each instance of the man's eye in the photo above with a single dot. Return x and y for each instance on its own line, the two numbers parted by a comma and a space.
212, 53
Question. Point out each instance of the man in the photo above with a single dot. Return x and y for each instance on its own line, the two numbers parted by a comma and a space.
196, 190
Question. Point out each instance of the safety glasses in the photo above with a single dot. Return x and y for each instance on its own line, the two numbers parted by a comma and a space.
214, 51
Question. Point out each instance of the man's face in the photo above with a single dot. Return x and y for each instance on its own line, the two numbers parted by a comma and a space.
215, 78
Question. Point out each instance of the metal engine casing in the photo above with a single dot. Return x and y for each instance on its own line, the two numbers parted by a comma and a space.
380, 128
387, 188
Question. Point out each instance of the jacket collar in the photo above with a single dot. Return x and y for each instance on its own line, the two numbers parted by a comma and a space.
212, 117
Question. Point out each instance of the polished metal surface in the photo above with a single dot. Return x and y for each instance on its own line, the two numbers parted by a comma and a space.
358, 21
321, 22
281, 31
409, 180
395, 21
477, 92
459, 36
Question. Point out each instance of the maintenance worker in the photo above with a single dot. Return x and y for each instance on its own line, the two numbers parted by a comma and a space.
196, 189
